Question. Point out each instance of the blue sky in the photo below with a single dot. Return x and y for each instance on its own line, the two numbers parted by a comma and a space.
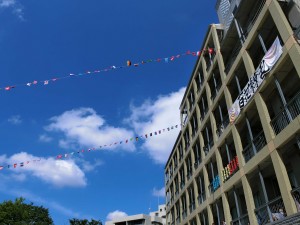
43, 39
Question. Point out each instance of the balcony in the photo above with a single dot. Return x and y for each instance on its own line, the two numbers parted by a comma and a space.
296, 196
176, 191
178, 219
182, 185
197, 163
232, 56
208, 146
258, 142
222, 126
285, 116
184, 214
271, 211
201, 198
215, 184
192, 206
253, 17
189, 174
244, 219
216, 91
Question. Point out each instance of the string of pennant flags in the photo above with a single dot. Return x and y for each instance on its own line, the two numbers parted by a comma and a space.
93, 72
113, 144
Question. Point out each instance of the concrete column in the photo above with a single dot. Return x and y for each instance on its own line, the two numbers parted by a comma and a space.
210, 214
294, 53
219, 165
283, 182
228, 98
206, 182
264, 117
238, 146
249, 200
213, 126
226, 208
280, 21
248, 64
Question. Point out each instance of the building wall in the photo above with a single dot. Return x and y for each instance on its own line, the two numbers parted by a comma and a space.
243, 172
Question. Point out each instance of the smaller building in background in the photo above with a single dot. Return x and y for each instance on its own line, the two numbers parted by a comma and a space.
154, 218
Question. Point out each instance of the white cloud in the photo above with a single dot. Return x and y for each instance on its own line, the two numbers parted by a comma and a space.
116, 215
59, 173
158, 193
16, 7
83, 127
155, 115
16, 119
7, 3
89, 166
45, 138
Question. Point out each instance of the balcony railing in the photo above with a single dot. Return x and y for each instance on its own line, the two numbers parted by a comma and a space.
208, 146
216, 91
252, 19
222, 126
284, 117
192, 206
177, 219
182, 185
271, 211
189, 174
258, 142
201, 198
244, 219
197, 163
203, 114
215, 184
199, 85
296, 196
184, 214
176, 191
233, 56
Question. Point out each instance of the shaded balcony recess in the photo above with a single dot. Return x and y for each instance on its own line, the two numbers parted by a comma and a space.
222, 125
201, 198
234, 53
270, 211
230, 169
259, 142
208, 146
286, 115
244, 219
296, 196
246, 17
216, 90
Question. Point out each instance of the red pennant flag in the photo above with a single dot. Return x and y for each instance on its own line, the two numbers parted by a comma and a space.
1, 167
210, 50
7, 88
172, 58
35, 82
15, 165
59, 156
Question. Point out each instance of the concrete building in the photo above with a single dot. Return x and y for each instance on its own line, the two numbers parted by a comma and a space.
154, 218
237, 156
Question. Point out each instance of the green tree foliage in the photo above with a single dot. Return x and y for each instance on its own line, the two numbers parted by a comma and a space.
20, 213
84, 222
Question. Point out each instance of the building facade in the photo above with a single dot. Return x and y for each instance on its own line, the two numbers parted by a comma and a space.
241, 168
154, 218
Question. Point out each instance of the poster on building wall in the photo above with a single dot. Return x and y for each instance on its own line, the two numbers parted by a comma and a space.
267, 63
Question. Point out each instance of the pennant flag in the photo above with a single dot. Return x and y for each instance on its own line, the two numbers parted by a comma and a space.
172, 58
46, 82
155, 133
35, 82
126, 141
210, 50
28, 84
128, 63
198, 53
168, 129
136, 138
166, 60
54, 79
136, 64
21, 164
1, 167
146, 135
159, 131
15, 165
59, 156
188, 52
7, 88
150, 134
8, 166
72, 74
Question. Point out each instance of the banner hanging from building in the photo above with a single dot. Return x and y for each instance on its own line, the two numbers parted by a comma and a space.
267, 63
